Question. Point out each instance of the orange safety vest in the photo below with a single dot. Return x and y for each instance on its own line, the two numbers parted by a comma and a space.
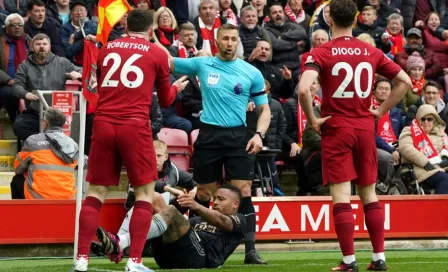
47, 177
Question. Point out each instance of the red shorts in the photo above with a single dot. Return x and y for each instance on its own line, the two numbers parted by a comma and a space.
349, 154
114, 145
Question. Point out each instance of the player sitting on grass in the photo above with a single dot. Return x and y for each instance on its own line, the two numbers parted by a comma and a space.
204, 241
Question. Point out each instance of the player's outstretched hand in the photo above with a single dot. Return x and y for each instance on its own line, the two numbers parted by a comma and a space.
181, 83
186, 201
317, 125
254, 145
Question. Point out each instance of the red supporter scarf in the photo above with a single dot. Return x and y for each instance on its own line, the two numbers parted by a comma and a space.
384, 127
297, 19
206, 39
231, 17
417, 85
162, 37
397, 42
20, 51
183, 52
301, 118
425, 146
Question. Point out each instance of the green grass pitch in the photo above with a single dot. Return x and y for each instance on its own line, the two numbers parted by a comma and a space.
406, 261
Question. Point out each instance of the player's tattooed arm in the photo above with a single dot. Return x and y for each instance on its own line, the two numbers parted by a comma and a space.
178, 225
212, 217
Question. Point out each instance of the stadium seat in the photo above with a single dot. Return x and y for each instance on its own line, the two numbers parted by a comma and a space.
178, 148
173, 137
193, 136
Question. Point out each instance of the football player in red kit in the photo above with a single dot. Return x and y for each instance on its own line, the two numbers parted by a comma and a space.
128, 69
347, 68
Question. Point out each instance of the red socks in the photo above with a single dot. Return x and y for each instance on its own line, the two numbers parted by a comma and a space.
139, 228
375, 224
88, 223
345, 227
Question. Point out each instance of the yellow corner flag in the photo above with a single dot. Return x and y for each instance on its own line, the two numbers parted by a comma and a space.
109, 13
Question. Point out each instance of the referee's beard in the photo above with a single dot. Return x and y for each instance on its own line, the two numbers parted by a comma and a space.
225, 54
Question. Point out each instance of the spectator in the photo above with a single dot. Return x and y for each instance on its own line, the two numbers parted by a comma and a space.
366, 38
318, 37
47, 162
206, 25
14, 50
170, 177
288, 40
430, 96
165, 26
262, 11
170, 116
311, 154
387, 129
16, 6
433, 66
416, 69
323, 19
143, 4
383, 11
226, 12
185, 47
37, 23
29, 77
250, 32
432, 42
414, 11
369, 25
72, 35
119, 29
155, 116
58, 12
423, 144
274, 135
296, 14
181, 9
394, 32
292, 142
280, 79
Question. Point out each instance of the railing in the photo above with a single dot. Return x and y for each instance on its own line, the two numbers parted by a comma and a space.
80, 173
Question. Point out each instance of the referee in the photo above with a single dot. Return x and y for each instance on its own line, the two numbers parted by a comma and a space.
227, 83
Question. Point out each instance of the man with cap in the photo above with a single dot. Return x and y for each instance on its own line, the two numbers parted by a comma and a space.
414, 39
72, 36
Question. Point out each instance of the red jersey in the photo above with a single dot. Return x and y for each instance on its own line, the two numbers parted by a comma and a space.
347, 68
128, 68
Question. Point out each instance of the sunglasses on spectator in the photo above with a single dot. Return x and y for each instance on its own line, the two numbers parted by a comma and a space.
16, 25
427, 119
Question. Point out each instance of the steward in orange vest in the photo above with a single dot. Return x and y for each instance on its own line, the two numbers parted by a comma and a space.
48, 160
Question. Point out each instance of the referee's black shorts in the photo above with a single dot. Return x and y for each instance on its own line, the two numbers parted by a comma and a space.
218, 146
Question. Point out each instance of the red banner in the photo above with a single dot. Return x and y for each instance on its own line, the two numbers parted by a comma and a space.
280, 218
405, 217
63, 101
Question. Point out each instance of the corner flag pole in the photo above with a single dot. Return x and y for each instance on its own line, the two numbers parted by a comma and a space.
80, 174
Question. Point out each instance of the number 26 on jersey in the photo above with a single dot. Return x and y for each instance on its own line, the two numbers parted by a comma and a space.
361, 91
124, 71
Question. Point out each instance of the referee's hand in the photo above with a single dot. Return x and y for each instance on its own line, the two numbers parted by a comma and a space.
254, 145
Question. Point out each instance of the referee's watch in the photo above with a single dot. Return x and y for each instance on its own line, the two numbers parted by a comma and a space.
261, 134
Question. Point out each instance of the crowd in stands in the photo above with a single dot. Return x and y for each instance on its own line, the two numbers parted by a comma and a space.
276, 37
